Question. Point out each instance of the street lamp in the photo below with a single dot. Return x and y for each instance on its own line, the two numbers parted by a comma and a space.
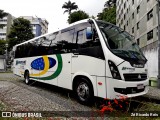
158, 8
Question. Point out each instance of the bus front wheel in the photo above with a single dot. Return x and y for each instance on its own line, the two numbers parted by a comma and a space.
84, 92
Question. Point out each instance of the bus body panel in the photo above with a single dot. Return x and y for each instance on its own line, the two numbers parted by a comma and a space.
93, 67
101, 87
64, 78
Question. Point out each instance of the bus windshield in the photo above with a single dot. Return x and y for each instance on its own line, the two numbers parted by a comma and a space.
121, 43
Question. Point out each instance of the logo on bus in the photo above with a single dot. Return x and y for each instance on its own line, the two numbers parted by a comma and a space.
43, 64
126, 68
39, 63
20, 62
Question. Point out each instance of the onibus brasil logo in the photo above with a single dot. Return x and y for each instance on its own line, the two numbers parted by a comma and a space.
43, 64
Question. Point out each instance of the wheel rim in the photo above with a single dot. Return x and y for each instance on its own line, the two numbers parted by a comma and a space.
83, 91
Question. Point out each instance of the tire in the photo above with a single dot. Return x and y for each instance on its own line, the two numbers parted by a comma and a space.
26, 78
84, 92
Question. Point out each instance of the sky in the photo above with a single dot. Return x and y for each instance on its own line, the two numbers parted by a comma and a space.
51, 10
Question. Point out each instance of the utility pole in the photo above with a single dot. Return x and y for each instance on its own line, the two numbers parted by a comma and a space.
158, 9
6, 45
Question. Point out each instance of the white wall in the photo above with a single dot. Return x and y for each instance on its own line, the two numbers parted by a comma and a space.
2, 64
152, 63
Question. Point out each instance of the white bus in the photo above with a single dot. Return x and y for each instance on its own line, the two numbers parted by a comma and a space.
91, 57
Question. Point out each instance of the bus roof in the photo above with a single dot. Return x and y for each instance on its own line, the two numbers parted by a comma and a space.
75, 23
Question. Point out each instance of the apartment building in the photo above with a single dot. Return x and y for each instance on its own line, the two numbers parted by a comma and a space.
7, 21
39, 25
139, 18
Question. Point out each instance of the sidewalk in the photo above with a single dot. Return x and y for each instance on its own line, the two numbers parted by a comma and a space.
153, 93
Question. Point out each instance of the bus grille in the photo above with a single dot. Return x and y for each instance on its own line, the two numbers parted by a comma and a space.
128, 90
135, 77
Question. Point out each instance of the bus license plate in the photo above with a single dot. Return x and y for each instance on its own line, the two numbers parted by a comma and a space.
140, 86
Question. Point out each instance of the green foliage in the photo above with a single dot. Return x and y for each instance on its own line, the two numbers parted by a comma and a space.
69, 6
2, 47
2, 15
76, 16
110, 3
108, 15
20, 31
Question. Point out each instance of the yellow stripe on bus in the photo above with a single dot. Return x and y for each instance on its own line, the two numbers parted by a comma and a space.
46, 67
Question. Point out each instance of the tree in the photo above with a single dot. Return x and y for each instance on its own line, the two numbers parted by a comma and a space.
69, 6
2, 15
108, 15
76, 16
110, 3
20, 31
2, 47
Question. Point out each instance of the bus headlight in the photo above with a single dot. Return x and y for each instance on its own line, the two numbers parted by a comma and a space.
114, 70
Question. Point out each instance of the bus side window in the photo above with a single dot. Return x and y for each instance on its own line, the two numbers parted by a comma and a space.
80, 38
67, 36
17, 52
89, 47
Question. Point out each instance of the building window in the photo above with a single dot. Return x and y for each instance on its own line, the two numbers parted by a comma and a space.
124, 5
150, 14
138, 9
132, 2
117, 20
137, 25
127, 10
124, 16
150, 35
3, 20
132, 15
138, 41
124, 27
122, 11
2, 34
121, 21
127, 22
133, 30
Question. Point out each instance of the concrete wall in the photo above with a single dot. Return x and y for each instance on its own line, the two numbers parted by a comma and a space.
152, 63
2, 63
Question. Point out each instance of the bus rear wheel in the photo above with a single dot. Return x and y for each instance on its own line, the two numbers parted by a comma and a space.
84, 92
26, 78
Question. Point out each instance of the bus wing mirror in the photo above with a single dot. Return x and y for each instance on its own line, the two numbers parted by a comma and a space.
89, 33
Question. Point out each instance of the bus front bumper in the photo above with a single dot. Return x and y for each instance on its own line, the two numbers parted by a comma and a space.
117, 88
